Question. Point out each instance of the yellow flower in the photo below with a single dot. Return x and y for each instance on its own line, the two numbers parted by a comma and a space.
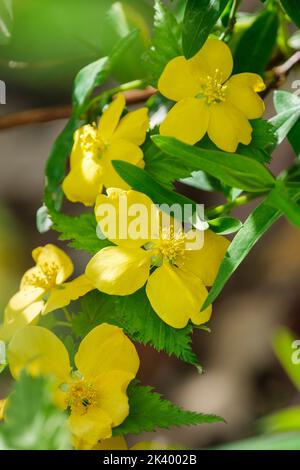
208, 100
176, 288
95, 394
43, 290
95, 147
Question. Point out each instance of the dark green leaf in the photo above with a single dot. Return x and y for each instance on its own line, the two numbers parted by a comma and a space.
292, 9
32, 421
200, 17
6, 21
234, 170
141, 181
56, 165
81, 231
225, 225
258, 222
255, 47
134, 314
279, 198
149, 411
166, 41
263, 143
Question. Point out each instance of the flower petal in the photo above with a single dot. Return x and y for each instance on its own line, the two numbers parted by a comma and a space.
133, 127
214, 57
63, 294
89, 428
119, 150
84, 134
110, 118
39, 351
83, 182
25, 297
113, 399
15, 320
177, 80
175, 295
106, 348
242, 93
125, 217
205, 263
228, 127
50, 254
187, 121
119, 270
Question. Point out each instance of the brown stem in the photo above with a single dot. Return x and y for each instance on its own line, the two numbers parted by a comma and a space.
62, 112
280, 72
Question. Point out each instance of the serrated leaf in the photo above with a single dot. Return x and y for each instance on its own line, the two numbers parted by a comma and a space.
256, 45
233, 170
166, 42
149, 411
257, 223
32, 421
80, 231
292, 9
135, 315
199, 18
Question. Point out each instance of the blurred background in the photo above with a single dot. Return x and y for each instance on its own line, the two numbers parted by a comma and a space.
50, 41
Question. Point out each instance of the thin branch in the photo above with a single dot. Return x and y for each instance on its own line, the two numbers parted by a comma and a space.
52, 113
280, 72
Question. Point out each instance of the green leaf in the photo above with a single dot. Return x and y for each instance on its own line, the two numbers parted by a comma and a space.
56, 165
292, 9
279, 198
201, 180
3, 361
143, 325
149, 411
286, 420
225, 225
87, 79
6, 21
288, 441
166, 42
232, 169
95, 74
258, 222
284, 348
135, 315
139, 180
263, 143
80, 231
255, 47
32, 421
200, 17
287, 120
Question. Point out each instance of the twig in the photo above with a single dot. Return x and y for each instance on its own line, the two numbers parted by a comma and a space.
52, 113
280, 72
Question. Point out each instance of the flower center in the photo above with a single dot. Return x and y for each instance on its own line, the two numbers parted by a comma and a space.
81, 395
212, 89
44, 276
90, 141
170, 247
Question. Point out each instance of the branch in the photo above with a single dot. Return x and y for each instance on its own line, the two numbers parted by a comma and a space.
280, 72
52, 113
